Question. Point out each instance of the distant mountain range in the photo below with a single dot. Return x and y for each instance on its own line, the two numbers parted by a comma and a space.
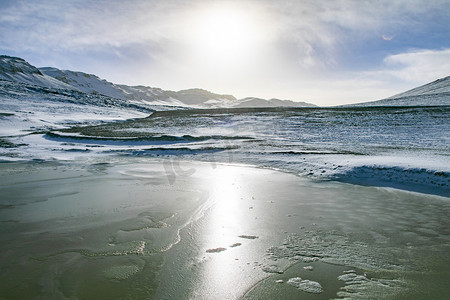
18, 70
14, 69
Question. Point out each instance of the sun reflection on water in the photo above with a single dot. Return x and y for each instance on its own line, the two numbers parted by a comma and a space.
226, 221
226, 217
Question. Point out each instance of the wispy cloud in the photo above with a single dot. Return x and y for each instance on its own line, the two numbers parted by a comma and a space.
416, 66
80, 25
314, 25
323, 30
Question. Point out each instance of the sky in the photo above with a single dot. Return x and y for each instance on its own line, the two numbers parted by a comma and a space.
319, 51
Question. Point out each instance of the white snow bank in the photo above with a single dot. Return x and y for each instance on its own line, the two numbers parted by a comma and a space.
420, 174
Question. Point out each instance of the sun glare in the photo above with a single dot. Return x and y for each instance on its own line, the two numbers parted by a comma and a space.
224, 35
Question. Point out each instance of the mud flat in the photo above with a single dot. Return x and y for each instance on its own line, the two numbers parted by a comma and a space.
167, 229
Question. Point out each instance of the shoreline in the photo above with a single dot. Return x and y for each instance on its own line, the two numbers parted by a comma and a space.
371, 175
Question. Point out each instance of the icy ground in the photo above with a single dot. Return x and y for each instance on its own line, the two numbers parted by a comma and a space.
404, 148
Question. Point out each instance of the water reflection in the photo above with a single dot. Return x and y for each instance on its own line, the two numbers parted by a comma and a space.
223, 249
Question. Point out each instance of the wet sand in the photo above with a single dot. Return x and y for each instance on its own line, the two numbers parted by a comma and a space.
143, 229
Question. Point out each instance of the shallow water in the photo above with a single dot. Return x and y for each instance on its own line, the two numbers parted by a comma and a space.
139, 229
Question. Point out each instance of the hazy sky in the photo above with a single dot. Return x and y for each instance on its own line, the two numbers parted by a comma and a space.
320, 51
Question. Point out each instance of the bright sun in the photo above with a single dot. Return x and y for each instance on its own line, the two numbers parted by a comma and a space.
224, 35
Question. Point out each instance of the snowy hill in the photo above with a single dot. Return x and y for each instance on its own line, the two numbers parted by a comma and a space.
31, 100
92, 84
436, 93
26, 108
258, 102
194, 98
87, 83
18, 70
440, 86
198, 96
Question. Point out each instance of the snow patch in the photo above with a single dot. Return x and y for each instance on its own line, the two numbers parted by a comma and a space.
306, 285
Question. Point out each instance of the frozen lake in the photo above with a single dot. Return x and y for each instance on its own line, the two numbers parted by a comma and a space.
127, 229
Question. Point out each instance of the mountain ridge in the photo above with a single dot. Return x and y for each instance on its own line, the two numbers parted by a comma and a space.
19, 70
436, 93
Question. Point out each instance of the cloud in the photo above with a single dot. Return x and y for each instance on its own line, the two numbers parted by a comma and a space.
322, 30
415, 66
77, 25
319, 48
387, 37
310, 33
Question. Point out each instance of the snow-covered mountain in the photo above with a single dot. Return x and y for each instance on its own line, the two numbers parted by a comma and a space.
197, 98
33, 101
92, 84
83, 82
258, 102
18, 70
436, 93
